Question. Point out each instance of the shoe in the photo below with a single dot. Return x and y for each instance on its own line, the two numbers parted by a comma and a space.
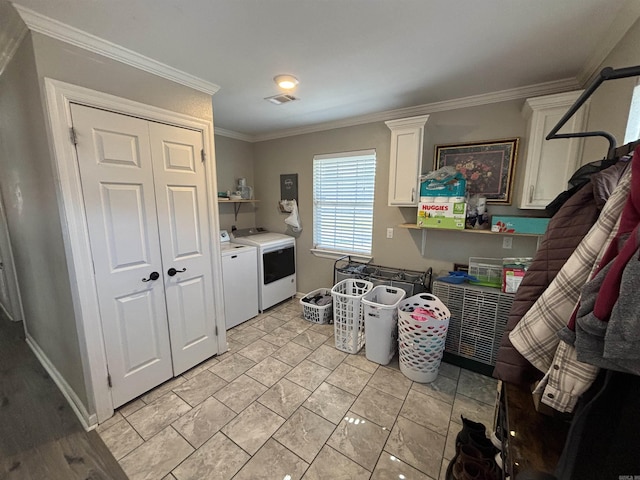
468, 427
497, 442
473, 447
483, 444
467, 471
471, 470
469, 464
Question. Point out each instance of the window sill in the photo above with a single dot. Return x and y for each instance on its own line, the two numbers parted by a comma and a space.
336, 255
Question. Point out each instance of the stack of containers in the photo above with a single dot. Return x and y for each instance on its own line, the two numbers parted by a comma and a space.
381, 322
423, 321
442, 200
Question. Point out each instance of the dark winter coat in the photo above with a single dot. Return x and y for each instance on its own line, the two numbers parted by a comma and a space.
565, 231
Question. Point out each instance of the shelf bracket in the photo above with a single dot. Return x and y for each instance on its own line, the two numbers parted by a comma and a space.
423, 247
236, 209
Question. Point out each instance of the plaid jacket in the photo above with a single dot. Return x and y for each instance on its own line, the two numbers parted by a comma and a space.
535, 337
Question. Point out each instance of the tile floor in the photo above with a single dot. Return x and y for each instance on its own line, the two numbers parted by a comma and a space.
283, 403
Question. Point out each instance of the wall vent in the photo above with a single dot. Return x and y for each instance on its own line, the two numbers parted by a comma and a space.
281, 98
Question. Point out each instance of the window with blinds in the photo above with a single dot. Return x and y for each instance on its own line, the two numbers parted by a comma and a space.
343, 190
633, 121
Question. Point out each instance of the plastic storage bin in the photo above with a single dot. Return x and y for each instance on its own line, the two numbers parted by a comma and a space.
381, 322
317, 314
422, 339
348, 323
488, 271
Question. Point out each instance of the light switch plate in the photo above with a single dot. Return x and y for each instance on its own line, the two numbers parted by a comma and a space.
389, 232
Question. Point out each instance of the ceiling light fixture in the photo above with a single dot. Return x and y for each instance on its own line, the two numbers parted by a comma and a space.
286, 82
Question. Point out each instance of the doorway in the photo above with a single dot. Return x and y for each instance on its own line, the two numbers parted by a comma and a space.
145, 202
133, 189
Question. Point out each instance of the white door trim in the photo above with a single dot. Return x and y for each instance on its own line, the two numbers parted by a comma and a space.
76, 236
15, 312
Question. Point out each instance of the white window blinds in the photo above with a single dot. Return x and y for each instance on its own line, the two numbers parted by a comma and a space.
343, 189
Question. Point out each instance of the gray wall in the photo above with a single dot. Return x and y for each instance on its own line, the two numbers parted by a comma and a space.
234, 159
295, 155
610, 103
608, 111
30, 190
34, 223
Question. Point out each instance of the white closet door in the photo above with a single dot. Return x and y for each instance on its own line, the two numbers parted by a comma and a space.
118, 188
185, 236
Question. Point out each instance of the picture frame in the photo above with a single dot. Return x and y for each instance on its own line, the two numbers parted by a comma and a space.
488, 166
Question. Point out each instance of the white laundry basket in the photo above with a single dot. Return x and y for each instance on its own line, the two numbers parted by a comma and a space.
348, 324
381, 322
421, 341
314, 313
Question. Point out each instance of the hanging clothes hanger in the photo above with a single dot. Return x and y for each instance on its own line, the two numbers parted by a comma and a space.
605, 74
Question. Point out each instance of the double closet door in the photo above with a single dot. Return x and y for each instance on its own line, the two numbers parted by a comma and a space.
146, 209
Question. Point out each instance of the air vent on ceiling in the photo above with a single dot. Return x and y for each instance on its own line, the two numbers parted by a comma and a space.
281, 98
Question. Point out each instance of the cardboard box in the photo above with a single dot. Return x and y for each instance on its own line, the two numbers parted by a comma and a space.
449, 215
455, 186
527, 225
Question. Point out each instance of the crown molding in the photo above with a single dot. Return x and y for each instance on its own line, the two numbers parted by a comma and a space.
627, 16
564, 100
60, 31
11, 38
231, 134
546, 88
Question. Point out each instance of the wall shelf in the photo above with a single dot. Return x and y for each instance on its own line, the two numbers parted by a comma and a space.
423, 249
236, 204
413, 226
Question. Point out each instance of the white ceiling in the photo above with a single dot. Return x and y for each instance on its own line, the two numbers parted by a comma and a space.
354, 57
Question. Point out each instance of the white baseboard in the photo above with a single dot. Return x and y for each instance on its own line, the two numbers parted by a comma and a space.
88, 421
6, 312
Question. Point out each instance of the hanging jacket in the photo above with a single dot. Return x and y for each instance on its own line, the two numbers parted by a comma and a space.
566, 230
536, 335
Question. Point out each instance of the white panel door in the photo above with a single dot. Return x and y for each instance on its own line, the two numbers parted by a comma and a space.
116, 170
185, 237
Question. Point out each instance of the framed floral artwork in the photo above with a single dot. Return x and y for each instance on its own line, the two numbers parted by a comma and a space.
487, 166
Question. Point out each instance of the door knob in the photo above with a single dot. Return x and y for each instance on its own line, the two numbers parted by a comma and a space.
172, 271
152, 276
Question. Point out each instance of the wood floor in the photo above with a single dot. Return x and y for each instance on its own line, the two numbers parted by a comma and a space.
40, 436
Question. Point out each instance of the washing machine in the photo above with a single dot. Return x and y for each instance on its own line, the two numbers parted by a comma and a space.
239, 279
276, 264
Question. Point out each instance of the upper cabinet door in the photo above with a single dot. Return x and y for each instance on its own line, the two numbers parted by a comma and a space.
405, 163
550, 163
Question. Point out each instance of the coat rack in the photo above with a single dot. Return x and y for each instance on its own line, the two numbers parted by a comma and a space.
605, 74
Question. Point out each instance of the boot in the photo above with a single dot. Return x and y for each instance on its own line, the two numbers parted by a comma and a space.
479, 451
465, 454
482, 443
468, 427
472, 470
468, 471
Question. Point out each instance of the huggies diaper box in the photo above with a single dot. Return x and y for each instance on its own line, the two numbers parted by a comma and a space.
445, 212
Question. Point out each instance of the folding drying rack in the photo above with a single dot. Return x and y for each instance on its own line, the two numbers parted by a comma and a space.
411, 281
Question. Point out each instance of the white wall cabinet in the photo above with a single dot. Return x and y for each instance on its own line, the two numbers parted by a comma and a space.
405, 163
550, 163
